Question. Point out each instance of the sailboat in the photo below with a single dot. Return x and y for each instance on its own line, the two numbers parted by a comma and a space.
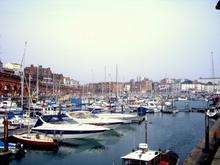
34, 140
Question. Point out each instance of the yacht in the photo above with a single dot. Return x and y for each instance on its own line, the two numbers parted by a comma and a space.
61, 129
85, 117
127, 118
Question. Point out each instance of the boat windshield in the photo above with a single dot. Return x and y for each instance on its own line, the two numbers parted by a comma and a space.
83, 115
57, 119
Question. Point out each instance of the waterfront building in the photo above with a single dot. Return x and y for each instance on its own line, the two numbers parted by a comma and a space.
66, 81
49, 83
15, 67
141, 85
189, 85
42, 72
215, 80
74, 83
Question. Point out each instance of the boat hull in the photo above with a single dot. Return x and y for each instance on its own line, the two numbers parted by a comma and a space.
69, 134
33, 144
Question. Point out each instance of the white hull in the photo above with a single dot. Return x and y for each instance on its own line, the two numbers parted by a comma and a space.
74, 136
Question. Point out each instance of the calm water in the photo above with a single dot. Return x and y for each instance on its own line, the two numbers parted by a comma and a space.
179, 133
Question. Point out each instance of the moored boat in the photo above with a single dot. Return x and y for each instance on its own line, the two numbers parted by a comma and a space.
36, 141
65, 130
146, 156
13, 151
85, 117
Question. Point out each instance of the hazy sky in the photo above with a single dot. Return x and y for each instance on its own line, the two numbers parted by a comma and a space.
152, 38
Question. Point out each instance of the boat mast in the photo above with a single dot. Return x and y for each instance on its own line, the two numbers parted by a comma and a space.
29, 102
22, 74
117, 81
53, 86
213, 70
105, 80
37, 82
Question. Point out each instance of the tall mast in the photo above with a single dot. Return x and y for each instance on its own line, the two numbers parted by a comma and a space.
29, 101
37, 82
116, 80
22, 74
92, 79
212, 63
53, 85
105, 80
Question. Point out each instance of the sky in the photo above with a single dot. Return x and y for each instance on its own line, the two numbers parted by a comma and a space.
147, 38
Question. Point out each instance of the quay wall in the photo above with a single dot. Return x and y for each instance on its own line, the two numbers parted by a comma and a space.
197, 155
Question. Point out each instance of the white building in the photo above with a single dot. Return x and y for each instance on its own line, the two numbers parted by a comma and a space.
66, 81
13, 66
211, 84
193, 86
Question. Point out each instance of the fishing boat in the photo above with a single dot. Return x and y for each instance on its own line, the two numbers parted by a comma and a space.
66, 130
144, 155
85, 117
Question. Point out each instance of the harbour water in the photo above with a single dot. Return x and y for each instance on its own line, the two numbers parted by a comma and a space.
179, 132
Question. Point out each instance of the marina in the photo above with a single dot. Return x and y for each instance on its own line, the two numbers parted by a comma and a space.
109, 82
179, 133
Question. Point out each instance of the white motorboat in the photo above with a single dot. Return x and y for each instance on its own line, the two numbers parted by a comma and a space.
127, 118
151, 107
66, 130
85, 117
7, 104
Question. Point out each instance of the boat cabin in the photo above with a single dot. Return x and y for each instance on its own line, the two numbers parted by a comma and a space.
145, 156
